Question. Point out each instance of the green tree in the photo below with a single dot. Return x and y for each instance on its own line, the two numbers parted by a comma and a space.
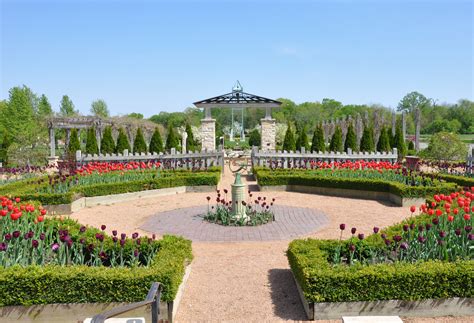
317, 143
91, 142
44, 107
446, 147
190, 141
135, 115
351, 139
172, 141
412, 101
302, 140
107, 145
255, 139
122, 142
99, 109
4, 148
74, 144
367, 140
289, 143
66, 108
139, 145
384, 140
18, 115
336, 140
411, 146
399, 142
156, 143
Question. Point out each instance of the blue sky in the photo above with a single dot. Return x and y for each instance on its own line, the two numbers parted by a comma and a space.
151, 56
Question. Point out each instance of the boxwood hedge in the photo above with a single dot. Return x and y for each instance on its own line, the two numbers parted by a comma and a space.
79, 284
267, 177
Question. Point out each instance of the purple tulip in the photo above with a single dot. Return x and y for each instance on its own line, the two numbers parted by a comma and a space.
352, 248
3, 246
405, 227
114, 239
404, 245
42, 236
421, 239
470, 237
123, 236
361, 236
468, 228
103, 227
114, 233
342, 226
55, 247
16, 234
435, 221
122, 243
442, 234
428, 226
82, 229
35, 243
8, 237
353, 230
135, 253
457, 232
397, 238
376, 230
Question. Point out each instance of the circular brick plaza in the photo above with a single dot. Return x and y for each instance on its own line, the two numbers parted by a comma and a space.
290, 222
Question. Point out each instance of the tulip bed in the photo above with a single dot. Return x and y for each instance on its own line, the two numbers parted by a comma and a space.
64, 189
397, 181
428, 256
47, 259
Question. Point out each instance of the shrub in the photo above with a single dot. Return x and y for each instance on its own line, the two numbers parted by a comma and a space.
255, 139
74, 144
122, 142
156, 143
139, 145
289, 143
367, 140
302, 140
399, 142
445, 146
107, 145
172, 141
336, 140
190, 142
383, 144
318, 143
91, 142
351, 139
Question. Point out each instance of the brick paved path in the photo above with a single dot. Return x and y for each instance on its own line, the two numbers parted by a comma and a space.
290, 222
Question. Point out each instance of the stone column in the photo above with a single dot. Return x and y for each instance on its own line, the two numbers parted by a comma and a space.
394, 123
359, 128
208, 134
98, 136
404, 125
268, 134
184, 136
417, 129
68, 137
52, 143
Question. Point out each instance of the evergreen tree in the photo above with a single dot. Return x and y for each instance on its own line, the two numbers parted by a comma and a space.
122, 142
336, 140
384, 141
107, 145
99, 108
156, 143
351, 139
255, 139
302, 140
139, 145
172, 141
4, 148
411, 145
289, 143
399, 142
74, 144
44, 107
66, 107
318, 144
91, 142
18, 114
367, 140
190, 142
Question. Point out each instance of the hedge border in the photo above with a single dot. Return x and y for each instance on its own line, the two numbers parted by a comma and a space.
81, 284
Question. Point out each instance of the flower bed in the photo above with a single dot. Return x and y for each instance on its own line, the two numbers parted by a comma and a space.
48, 260
64, 189
429, 256
397, 182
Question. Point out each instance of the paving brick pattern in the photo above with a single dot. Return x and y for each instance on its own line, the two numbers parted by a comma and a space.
290, 222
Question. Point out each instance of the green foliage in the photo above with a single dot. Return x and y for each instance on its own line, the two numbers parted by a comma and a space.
399, 142
411, 145
74, 144
91, 142
384, 140
445, 146
156, 143
107, 145
412, 101
139, 145
318, 143
172, 141
443, 125
99, 109
289, 143
135, 115
44, 107
322, 282
367, 140
18, 116
302, 139
255, 139
190, 142
66, 107
351, 139
336, 140
4, 148
122, 142
78, 284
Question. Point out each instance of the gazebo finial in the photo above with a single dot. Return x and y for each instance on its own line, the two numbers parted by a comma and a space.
237, 87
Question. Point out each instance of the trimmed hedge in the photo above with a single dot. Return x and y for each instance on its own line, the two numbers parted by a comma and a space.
322, 282
25, 189
462, 181
266, 177
80, 284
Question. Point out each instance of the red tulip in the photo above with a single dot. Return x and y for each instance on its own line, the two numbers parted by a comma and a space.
17, 200
450, 218
40, 218
43, 212
467, 217
439, 212
412, 209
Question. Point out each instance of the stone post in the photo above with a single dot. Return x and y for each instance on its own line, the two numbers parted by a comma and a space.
417, 129
208, 134
184, 137
358, 128
394, 123
404, 125
98, 136
268, 134
52, 143
238, 195
68, 137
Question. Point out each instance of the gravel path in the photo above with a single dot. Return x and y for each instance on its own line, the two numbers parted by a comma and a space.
247, 281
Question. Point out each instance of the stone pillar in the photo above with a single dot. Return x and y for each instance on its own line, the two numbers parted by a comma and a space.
52, 143
404, 125
184, 137
358, 128
98, 136
68, 137
268, 134
366, 118
417, 129
394, 123
208, 134
238, 195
